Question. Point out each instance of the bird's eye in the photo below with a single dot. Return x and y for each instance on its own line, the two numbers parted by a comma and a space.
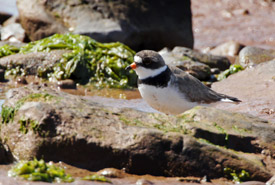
147, 62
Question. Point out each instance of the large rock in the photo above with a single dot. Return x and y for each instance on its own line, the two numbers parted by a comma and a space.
196, 69
138, 24
230, 48
251, 56
255, 87
13, 32
41, 122
212, 61
31, 63
36, 21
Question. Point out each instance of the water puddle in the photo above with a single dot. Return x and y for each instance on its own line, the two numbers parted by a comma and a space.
118, 98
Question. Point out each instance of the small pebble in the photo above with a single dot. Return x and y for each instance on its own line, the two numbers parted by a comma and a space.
144, 182
111, 172
21, 80
67, 84
215, 71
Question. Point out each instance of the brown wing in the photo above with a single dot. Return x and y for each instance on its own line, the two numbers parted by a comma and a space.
194, 90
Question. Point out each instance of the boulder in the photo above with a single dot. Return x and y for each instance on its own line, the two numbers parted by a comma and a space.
251, 56
31, 63
40, 122
196, 69
138, 24
37, 22
230, 48
13, 33
255, 87
212, 61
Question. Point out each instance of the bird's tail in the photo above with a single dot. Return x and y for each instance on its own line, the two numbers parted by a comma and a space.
230, 99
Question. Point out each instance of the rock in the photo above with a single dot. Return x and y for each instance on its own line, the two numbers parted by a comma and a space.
144, 182
271, 181
230, 48
66, 84
11, 20
13, 33
45, 124
31, 62
12, 30
197, 69
255, 87
251, 56
211, 60
112, 173
37, 22
138, 24
21, 80
253, 183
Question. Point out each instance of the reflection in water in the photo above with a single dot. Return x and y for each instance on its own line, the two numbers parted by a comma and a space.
137, 104
1, 103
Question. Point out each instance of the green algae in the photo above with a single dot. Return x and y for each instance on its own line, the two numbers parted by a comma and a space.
89, 61
27, 124
95, 177
158, 122
8, 112
232, 69
36, 97
237, 177
222, 130
39, 171
8, 50
101, 64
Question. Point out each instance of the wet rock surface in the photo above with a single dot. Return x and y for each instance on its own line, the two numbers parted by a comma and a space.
196, 63
198, 143
251, 56
13, 31
31, 62
138, 24
255, 87
216, 22
195, 68
230, 48
212, 61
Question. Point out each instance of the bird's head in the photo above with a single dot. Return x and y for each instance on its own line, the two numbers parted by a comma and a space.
147, 63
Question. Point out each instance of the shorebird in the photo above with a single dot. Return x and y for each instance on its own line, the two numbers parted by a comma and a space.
169, 89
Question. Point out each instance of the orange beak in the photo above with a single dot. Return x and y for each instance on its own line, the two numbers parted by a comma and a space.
132, 66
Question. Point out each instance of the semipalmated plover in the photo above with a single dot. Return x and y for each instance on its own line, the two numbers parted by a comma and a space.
169, 89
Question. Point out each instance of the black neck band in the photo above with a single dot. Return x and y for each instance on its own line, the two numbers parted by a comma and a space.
161, 80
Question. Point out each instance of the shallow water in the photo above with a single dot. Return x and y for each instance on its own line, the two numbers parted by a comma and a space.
117, 98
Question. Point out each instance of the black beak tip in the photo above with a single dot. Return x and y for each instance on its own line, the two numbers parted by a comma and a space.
128, 68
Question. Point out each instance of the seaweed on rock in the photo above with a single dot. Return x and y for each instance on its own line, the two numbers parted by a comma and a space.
90, 61
102, 64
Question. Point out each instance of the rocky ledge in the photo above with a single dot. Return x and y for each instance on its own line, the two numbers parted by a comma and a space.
40, 122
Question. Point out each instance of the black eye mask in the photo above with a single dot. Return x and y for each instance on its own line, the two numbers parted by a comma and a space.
149, 63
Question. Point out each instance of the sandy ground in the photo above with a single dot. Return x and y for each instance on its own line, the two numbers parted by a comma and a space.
250, 22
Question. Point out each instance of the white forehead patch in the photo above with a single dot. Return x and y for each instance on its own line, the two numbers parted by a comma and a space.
137, 59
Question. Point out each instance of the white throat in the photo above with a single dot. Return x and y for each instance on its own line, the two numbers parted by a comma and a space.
145, 73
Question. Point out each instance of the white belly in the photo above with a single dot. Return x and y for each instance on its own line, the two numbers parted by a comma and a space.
166, 100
